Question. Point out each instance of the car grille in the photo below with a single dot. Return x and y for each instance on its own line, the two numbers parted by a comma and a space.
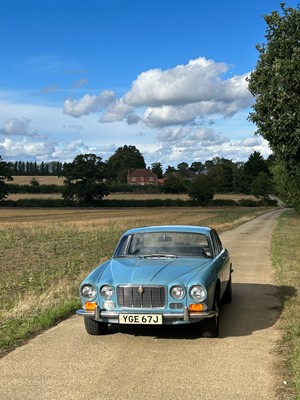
141, 296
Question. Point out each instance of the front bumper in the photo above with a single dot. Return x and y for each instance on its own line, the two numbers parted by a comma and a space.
112, 317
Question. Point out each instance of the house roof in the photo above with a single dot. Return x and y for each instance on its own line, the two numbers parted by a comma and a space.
142, 172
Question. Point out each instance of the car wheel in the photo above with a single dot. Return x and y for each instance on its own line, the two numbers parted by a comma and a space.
210, 326
227, 297
94, 327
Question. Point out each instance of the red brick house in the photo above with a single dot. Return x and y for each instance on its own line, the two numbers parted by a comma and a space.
142, 176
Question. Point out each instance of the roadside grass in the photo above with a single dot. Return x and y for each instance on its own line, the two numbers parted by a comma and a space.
46, 253
286, 258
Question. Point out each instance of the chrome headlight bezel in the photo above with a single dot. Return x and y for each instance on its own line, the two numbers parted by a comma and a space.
88, 291
107, 291
198, 293
177, 292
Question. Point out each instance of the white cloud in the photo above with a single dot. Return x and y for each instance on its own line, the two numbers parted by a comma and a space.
88, 104
23, 148
117, 111
18, 126
198, 80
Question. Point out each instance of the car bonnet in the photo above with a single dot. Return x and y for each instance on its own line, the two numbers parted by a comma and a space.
152, 270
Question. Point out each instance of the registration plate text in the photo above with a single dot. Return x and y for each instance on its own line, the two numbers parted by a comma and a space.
143, 319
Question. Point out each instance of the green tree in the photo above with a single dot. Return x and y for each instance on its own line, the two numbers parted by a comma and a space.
170, 171
126, 159
275, 83
197, 166
252, 168
174, 184
84, 179
262, 186
183, 170
5, 175
221, 175
201, 190
156, 167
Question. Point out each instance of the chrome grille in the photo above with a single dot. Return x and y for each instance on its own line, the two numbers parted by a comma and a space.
141, 296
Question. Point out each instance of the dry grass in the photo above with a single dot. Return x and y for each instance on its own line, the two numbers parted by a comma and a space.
43, 180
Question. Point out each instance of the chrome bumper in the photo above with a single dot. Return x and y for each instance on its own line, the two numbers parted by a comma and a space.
168, 318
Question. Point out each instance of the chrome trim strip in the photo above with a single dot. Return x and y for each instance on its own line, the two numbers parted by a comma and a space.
185, 316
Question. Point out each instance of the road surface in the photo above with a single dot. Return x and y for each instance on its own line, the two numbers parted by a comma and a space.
166, 363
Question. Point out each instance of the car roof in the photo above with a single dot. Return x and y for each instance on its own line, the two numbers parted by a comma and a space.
170, 228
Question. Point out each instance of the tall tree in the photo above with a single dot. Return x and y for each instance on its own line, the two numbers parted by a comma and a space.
156, 167
84, 179
255, 164
5, 174
201, 190
275, 83
221, 174
183, 169
125, 159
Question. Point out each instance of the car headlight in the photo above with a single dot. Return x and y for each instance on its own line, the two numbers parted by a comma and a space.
198, 293
177, 292
88, 291
106, 291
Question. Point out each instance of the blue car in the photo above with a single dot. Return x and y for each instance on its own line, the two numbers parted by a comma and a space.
160, 275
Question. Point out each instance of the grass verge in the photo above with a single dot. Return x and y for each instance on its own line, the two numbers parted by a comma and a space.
286, 258
45, 254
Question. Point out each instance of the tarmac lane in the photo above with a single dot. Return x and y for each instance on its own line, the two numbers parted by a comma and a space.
134, 362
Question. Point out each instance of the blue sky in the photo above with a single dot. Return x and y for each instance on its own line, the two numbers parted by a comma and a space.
167, 76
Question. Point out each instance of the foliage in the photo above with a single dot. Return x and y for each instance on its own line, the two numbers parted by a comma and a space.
252, 168
156, 167
30, 168
183, 170
275, 83
174, 184
222, 175
287, 185
125, 159
84, 179
4, 175
262, 186
36, 188
201, 189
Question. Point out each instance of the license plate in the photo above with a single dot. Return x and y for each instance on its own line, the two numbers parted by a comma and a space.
143, 319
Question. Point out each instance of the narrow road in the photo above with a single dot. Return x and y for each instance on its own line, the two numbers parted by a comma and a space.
140, 363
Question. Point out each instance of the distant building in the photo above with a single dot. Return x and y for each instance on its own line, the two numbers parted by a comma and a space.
142, 176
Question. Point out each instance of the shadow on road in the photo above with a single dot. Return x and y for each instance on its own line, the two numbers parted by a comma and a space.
254, 307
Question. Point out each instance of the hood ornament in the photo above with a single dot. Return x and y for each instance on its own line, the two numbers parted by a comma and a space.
141, 290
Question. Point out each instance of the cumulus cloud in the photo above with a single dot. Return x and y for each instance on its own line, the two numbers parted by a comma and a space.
199, 80
23, 148
187, 93
18, 126
88, 104
181, 95
191, 136
117, 111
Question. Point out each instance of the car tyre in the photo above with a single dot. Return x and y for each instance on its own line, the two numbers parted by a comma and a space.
210, 326
94, 327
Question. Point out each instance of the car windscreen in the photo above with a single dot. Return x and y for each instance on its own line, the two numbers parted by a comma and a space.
168, 243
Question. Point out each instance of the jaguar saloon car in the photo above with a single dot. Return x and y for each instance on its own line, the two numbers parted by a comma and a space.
160, 275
